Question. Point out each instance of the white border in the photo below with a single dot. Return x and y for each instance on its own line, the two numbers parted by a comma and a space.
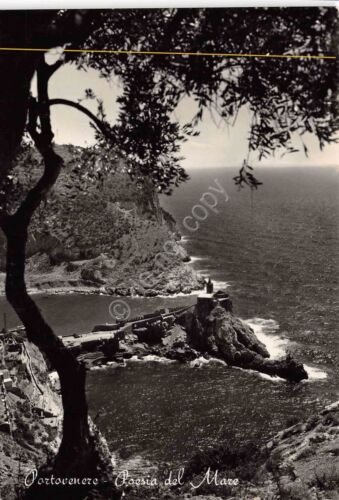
119, 4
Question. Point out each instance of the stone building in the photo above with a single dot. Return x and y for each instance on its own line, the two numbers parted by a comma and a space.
207, 301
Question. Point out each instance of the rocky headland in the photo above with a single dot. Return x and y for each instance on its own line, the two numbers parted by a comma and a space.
213, 328
109, 239
208, 330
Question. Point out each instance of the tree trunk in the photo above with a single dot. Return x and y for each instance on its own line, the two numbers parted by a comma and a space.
77, 455
76, 452
28, 29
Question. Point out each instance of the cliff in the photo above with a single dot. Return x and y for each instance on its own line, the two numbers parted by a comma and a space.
303, 460
218, 332
111, 237
31, 413
31, 424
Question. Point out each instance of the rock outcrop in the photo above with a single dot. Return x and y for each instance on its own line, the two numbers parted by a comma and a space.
224, 336
117, 240
303, 460
35, 414
208, 329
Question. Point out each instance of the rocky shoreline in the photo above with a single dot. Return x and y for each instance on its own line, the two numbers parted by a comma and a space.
94, 277
208, 330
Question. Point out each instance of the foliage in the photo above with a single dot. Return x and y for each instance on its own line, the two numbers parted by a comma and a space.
246, 177
326, 480
285, 97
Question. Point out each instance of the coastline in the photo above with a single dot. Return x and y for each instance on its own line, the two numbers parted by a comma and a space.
314, 373
57, 284
264, 329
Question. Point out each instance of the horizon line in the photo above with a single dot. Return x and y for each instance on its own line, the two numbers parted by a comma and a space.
258, 165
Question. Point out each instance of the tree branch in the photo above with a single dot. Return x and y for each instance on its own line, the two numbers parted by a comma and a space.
44, 73
103, 128
40, 28
43, 141
50, 69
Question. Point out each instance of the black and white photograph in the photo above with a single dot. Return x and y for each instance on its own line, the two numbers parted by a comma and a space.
169, 241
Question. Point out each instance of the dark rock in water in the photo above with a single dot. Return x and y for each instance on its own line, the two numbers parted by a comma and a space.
287, 368
182, 354
224, 336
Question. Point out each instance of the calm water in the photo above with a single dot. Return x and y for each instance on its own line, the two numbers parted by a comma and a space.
277, 252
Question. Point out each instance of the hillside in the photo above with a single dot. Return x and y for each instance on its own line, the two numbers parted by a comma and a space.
31, 412
111, 235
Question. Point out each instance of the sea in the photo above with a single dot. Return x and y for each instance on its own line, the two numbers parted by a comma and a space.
275, 251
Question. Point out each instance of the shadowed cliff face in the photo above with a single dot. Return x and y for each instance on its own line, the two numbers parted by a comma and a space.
224, 336
81, 220
115, 236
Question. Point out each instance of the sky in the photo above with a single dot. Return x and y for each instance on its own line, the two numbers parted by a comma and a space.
217, 145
